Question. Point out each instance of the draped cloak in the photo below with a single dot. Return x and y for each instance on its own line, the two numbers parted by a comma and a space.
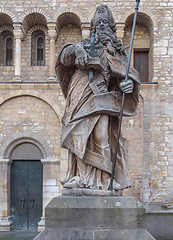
87, 102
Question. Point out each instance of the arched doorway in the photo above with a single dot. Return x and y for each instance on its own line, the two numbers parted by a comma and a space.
26, 186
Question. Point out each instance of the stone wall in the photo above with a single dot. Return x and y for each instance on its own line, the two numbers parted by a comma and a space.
30, 73
148, 135
29, 113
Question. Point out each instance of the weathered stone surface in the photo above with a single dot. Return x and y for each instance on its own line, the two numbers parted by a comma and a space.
94, 218
159, 224
94, 99
94, 212
148, 135
98, 234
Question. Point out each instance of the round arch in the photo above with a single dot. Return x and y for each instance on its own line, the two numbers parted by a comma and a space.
143, 43
38, 27
9, 14
143, 11
71, 10
49, 161
5, 19
35, 10
26, 151
6, 28
32, 19
68, 18
142, 19
19, 138
40, 96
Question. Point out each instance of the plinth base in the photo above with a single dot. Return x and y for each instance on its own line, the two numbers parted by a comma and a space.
89, 192
98, 234
94, 218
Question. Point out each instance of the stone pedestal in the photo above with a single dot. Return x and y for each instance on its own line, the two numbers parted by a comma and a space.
87, 217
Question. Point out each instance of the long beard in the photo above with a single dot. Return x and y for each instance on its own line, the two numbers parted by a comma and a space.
108, 39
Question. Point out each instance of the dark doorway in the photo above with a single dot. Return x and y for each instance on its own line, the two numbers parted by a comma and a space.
141, 64
26, 193
26, 187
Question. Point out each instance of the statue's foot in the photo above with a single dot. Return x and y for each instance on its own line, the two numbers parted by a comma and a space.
75, 182
90, 192
116, 185
71, 185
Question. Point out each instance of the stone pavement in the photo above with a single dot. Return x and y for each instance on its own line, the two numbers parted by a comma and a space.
18, 235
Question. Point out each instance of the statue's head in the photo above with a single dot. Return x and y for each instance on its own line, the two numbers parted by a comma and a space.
103, 25
103, 18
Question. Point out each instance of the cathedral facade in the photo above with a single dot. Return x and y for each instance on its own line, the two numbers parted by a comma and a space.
32, 163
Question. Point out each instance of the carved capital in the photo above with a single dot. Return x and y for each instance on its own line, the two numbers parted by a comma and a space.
52, 30
18, 31
5, 161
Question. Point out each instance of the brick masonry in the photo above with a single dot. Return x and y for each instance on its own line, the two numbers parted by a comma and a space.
37, 106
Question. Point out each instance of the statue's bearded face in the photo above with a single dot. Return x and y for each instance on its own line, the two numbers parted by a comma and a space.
104, 33
102, 24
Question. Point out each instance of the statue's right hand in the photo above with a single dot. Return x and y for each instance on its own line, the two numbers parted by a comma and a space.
80, 56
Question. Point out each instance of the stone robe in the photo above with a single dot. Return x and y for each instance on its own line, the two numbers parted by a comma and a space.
93, 108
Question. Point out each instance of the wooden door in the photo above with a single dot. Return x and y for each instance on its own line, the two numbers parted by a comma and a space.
141, 64
26, 193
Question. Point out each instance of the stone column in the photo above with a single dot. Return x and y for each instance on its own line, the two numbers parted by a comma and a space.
6, 223
52, 32
18, 35
120, 30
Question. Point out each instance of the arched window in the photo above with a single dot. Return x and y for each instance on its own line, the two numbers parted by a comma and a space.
40, 51
9, 51
6, 48
142, 54
38, 48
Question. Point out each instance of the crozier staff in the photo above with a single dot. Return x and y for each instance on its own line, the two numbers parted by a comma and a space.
123, 98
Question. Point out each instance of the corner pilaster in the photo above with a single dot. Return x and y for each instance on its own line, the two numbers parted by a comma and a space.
6, 222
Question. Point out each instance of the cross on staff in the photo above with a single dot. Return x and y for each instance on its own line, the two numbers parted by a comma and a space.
92, 48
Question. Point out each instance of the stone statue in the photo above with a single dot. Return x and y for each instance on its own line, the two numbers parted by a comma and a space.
90, 121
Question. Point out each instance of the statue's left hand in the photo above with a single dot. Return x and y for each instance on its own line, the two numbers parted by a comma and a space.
127, 87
